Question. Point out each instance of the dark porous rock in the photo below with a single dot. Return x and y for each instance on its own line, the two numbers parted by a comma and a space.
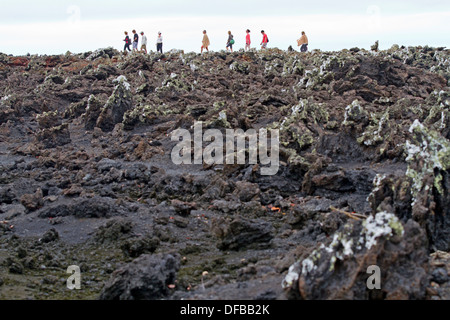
105, 165
113, 230
7, 195
14, 266
108, 52
50, 236
142, 245
48, 120
33, 201
145, 278
241, 233
55, 136
93, 110
440, 276
246, 191
183, 208
75, 109
96, 207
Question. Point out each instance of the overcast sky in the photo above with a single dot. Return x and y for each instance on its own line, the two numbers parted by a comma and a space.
53, 27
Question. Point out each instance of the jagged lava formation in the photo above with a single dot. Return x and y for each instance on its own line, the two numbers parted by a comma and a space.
86, 176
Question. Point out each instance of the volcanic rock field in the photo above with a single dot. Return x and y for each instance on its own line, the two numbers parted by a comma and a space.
87, 178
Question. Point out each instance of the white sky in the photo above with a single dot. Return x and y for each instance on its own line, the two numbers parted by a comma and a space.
50, 27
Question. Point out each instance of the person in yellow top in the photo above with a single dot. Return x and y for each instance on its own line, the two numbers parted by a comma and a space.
303, 42
205, 41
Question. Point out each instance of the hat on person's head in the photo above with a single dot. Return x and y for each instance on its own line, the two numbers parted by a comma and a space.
159, 32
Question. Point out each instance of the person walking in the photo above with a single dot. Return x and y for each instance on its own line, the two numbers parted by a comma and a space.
127, 43
159, 43
230, 41
143, 42
265, 40
205, 42
247, 40
135, 41
303, 42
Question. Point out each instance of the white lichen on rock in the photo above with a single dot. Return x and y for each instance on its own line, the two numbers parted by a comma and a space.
384, 224
292, 276
428, 154
374, 134
354, 113
343, 246
122, 80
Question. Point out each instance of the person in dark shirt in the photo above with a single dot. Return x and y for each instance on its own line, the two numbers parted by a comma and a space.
127, 42
135, 41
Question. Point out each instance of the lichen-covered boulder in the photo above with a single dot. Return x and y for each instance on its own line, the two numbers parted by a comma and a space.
339, 270
429, 169
118, 103
48, 119
55, 136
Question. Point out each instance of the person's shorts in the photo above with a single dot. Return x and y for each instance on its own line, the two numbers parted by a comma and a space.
135, 45
144, 47
264, 45
304, 48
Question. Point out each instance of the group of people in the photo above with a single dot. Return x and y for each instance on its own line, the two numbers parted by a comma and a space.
302, 42
159, 42
229, 46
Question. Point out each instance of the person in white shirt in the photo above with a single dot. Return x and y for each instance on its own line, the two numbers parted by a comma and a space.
143, 42
159, 43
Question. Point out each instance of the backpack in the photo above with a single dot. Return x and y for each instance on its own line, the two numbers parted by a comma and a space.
232, 41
